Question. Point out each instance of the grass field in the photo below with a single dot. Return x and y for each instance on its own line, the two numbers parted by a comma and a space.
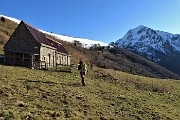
112, 95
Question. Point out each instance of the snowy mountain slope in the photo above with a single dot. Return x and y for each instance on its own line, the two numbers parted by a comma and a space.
158, 46
146, 40
86, 43
10, 18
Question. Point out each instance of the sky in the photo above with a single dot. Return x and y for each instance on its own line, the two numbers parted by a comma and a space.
101, 20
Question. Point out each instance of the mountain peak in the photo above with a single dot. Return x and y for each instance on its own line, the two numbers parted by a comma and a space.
144, 37
138, 29
155, 45
141, 26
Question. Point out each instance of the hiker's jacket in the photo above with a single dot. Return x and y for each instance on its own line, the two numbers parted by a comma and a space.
83, 68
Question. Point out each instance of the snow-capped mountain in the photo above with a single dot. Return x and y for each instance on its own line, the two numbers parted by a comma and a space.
86, 43
158, 46
147, 41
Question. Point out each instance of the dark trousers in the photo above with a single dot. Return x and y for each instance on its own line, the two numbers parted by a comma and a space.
82, 78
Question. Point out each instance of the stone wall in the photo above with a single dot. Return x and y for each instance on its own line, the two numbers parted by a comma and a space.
62, 59
52, 58
48, 55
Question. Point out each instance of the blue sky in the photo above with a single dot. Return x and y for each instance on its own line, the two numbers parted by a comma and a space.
102, 20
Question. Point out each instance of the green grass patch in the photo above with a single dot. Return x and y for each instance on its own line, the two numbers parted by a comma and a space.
36, 94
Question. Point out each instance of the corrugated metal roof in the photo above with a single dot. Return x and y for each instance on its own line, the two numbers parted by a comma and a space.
41, 38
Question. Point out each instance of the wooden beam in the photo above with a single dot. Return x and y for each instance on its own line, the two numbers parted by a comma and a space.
14, 57
32, 62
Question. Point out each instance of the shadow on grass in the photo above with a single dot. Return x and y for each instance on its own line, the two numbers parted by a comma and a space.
52, 83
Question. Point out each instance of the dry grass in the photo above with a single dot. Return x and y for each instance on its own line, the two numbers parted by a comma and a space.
6, 30
109, 94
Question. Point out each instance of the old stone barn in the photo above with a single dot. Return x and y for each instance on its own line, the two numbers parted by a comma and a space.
29, 47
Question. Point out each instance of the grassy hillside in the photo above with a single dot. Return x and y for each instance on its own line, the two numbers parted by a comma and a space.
135, 64
34, 95
6, 30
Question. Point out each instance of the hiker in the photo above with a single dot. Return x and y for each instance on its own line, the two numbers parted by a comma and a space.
83, 70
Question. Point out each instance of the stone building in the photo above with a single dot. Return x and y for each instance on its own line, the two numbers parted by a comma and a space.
31, 48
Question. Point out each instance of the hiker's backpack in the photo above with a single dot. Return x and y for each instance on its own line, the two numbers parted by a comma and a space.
79, 67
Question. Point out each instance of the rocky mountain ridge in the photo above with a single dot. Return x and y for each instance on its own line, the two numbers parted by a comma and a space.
158, 46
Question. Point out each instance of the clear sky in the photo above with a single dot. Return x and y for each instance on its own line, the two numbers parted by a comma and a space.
102, 20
